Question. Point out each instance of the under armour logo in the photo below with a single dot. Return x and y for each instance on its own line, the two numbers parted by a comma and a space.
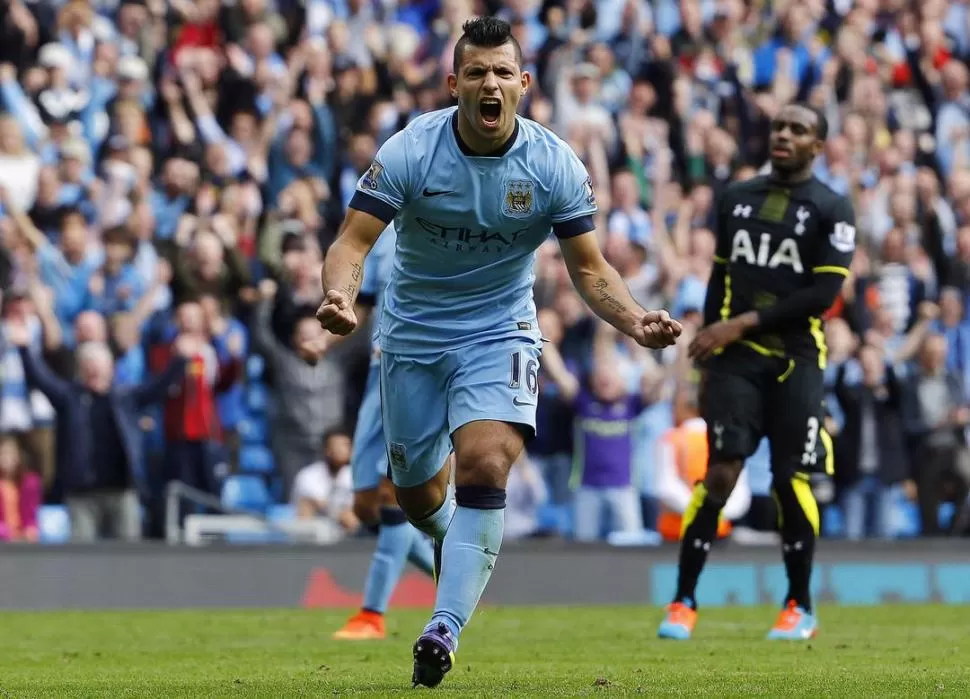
718, 435
742, 211
802, 215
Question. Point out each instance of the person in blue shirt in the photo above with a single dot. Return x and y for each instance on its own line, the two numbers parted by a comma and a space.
374, 501
473, 191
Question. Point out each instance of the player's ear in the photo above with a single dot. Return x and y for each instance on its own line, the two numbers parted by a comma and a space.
526, 81
453, 85
818, 147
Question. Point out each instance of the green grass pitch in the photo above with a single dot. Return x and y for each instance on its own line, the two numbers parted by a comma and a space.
506, 652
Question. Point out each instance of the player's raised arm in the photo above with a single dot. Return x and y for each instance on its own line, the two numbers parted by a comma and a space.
607, 294
343, 270
381, 192
597, 282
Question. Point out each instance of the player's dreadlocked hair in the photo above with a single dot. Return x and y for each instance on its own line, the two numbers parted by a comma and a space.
486, 32
821, 123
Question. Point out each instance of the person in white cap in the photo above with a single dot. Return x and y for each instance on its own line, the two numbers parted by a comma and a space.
133, 74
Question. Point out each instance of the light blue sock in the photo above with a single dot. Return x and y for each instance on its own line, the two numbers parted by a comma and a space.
436, 524
469, 554
394, 541
421, 555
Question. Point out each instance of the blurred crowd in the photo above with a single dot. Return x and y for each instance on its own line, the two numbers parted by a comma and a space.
172, 173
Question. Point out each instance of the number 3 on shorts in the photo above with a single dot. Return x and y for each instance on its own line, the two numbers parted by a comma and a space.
810, 456
531, 373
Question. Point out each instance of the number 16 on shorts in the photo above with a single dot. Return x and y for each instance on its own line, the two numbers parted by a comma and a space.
524, 373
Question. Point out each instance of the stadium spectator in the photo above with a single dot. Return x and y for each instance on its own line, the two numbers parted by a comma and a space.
870, 448
323, 488
193, 429
605, 412
936, 416
551, 451
309, 397
229, 337
98, 441
21, 494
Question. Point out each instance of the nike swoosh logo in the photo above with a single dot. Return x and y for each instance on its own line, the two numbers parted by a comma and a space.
429, 193
516, 401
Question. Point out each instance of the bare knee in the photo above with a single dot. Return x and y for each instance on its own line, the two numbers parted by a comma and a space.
485, 452
420, 501
488, 469
721, 477
367, 506
386, 495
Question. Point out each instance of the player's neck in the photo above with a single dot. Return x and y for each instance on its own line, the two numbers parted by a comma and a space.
792, 177
471, 143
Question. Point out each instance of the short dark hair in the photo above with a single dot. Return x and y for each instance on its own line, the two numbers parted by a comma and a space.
821, 123
486, 32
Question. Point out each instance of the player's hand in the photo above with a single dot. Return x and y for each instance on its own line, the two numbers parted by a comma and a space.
336, 314
715, 337
656, 330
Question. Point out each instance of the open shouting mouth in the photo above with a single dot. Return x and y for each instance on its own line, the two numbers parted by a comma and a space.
491, 110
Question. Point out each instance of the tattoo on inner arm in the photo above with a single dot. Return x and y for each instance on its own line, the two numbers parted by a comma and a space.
602, 288
351, 288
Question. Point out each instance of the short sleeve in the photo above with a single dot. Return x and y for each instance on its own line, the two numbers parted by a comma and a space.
838, 243
385, 188
573, 199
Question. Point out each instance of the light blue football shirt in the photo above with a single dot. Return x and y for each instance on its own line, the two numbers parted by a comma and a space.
467, 229
378, 266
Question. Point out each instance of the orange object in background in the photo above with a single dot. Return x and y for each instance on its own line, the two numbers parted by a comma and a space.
688, 443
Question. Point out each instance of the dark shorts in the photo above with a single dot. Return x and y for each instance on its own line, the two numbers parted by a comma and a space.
747, 396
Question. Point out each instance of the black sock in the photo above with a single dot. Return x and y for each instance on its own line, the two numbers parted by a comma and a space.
799, 517
701, 518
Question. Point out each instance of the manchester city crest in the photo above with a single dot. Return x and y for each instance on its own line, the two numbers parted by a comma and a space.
519, 198
397, 455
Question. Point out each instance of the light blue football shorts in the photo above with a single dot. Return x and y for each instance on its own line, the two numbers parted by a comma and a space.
368, 463
426, 398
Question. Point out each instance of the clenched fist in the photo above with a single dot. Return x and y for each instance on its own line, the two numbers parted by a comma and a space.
336, 314
656, 330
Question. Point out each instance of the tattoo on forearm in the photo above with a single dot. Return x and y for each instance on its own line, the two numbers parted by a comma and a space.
602, 288
351, 289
